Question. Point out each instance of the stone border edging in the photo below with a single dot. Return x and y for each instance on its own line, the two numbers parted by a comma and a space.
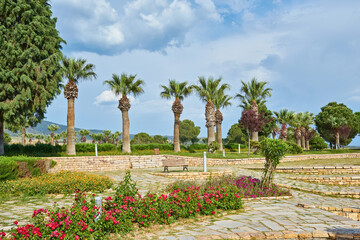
353, 169
316, 234
352, 180
332, 194
348, 212
266, 198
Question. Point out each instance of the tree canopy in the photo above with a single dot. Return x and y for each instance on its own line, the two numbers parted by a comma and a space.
30, 57
236, 134
188, 131
142, 138
332, 116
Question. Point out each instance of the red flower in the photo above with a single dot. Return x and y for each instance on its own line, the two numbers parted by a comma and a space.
213, 212
16, 222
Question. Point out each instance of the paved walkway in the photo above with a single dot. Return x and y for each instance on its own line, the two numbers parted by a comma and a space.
261, 218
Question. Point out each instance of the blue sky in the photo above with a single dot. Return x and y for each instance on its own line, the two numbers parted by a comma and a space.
308, 51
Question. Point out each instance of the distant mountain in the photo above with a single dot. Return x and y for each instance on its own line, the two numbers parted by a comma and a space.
41, 128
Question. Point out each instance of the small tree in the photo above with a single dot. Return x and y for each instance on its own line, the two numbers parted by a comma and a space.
52, 128
83, 133
251, 121
93, 137
273, 151
106, 134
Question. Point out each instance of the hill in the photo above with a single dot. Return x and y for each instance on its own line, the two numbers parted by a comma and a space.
41, 128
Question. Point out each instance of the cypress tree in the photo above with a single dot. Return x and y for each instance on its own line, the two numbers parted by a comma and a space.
30, 55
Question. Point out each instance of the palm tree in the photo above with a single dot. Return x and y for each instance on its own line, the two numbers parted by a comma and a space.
39, 137
125, 85
63, 134
106, 134
93, 137
178, 90
306, 120
83, 133
52, 128
30, 136
284, 117
296, 122
253, 96
57, 138
99, 137
221, 101
207, 91
47, 139
116, 136
74, 70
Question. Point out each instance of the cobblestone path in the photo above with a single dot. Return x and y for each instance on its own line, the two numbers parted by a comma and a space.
260, 219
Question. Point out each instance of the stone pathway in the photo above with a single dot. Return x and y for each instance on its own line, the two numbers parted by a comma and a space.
260, 219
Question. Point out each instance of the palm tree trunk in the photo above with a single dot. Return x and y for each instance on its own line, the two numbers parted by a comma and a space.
70, 147
177, 132
298, 137
126, 135
211, 134
210, 121
307, 145
2, 152
254, 107
23, 134
303, 142
219, 136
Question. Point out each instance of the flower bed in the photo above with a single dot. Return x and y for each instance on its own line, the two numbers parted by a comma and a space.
127, 210
62, 182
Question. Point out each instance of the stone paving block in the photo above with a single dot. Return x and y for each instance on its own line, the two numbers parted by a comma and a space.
274, 235
272, 225
289, 234
320, 234
244, 235
305, 234
229, 224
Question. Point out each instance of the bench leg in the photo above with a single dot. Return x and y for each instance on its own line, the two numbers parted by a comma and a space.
166, 169
185, 167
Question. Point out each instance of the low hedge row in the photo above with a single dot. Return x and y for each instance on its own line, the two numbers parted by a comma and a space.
39, 149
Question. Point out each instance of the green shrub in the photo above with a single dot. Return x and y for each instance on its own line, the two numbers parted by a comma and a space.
293, 148
85, 147
62, 182
198, 146
106, 147
318, 143
151, 146
213, 146
22, 166
8, 169
38, 149
273, 151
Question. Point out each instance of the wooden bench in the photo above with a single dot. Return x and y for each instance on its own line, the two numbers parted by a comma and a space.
174, 163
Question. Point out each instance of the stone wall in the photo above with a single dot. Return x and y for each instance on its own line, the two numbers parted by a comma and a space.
119, 162
194, 175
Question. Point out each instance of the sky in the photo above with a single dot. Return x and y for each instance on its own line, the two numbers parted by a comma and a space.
307, 50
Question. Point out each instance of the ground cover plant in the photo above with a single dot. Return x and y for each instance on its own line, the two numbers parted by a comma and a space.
56, 183
126, 211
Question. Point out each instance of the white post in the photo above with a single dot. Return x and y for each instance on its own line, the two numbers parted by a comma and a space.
204, 161
223, 153
239, 148
96, 149
98, 203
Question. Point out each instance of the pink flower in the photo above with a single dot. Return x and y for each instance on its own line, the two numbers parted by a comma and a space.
76, 237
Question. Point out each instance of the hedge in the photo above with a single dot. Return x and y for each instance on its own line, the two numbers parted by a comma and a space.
39, 149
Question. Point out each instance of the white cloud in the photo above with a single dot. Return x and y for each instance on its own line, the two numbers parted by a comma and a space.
138, 24
106, 97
